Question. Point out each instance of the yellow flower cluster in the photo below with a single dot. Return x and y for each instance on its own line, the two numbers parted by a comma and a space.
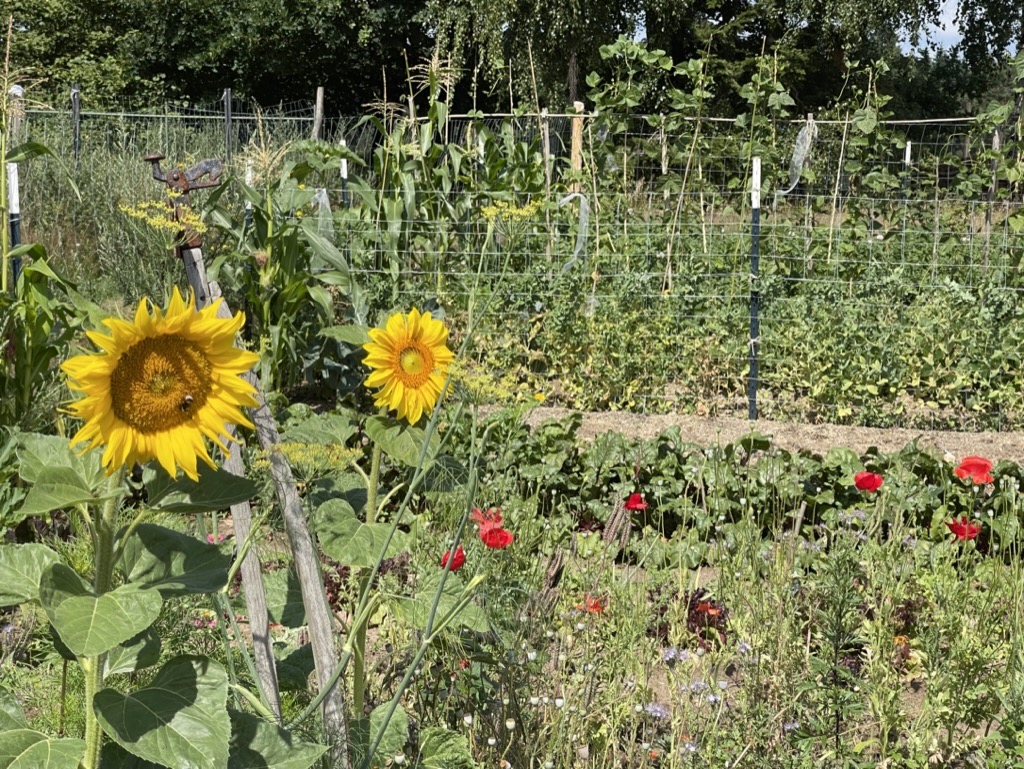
510, 212
156, 215
480, 385
312, 460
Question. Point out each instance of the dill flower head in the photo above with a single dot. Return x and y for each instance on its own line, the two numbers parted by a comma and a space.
157, 216
408, 361
160, 384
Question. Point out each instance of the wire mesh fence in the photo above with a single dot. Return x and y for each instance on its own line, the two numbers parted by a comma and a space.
608, 260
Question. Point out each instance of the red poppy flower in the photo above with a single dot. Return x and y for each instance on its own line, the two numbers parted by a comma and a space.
869, 482
490, 520
964, 529
458, 558
977, 469
594, 604
495, 537
709, 608
635, 503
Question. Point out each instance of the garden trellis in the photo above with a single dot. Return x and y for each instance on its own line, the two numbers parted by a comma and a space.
889, 287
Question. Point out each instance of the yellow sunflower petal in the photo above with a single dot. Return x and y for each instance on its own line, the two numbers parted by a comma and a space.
143, 393
408, 360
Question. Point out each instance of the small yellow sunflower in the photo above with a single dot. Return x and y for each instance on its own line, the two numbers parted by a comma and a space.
409, 359
160, 384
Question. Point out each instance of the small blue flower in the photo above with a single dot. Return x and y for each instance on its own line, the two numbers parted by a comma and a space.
656, 710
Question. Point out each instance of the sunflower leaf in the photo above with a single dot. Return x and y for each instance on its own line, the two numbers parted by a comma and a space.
21, 566
11, 715
56, 488
402, 442
441, 748
39, 453
259, 743
179, 720
352, 335
363, 732
141, 651
348, 540
89, 624
284, 598
215, 490
29, 748
173, 563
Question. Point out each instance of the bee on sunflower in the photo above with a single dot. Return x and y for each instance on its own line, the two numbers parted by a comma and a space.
161, 384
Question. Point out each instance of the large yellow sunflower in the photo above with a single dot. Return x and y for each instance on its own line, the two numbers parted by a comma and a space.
160, 384
409, 359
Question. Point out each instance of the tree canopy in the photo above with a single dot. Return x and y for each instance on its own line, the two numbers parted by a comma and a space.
519, 52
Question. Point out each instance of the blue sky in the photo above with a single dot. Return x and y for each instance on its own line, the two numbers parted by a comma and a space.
945, 33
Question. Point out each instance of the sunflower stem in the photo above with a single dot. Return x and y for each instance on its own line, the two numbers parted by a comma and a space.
359, 643
371, 485
92, 667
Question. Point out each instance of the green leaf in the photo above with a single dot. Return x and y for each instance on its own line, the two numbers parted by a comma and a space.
284, 598
90, 624
294, 667
348, 540
136, 653
215, 490
400, 441
114, 755
354, 336
327, 251
172, 562
58, 645
29, 749
416, 610
445, 474
326, 429
28, 150
21, 566
37, 453
180, 719
11, 716
56, 488
444, 749
365, 730
258, 744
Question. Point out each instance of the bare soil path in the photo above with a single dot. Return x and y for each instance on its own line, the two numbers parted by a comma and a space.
792, 436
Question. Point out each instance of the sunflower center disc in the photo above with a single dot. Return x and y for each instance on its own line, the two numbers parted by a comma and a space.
159, 383
415, 363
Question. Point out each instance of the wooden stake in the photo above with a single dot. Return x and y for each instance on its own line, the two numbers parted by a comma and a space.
318, 114
307, 564
576, 156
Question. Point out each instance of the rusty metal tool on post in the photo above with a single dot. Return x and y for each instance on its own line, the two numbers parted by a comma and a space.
307, 564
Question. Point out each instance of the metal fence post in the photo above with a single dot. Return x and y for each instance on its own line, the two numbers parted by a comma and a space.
344, 175
17, 110
755, 293
76, 120
227, 125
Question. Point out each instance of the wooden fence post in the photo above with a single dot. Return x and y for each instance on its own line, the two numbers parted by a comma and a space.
318, 114
991, 194
576, 151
